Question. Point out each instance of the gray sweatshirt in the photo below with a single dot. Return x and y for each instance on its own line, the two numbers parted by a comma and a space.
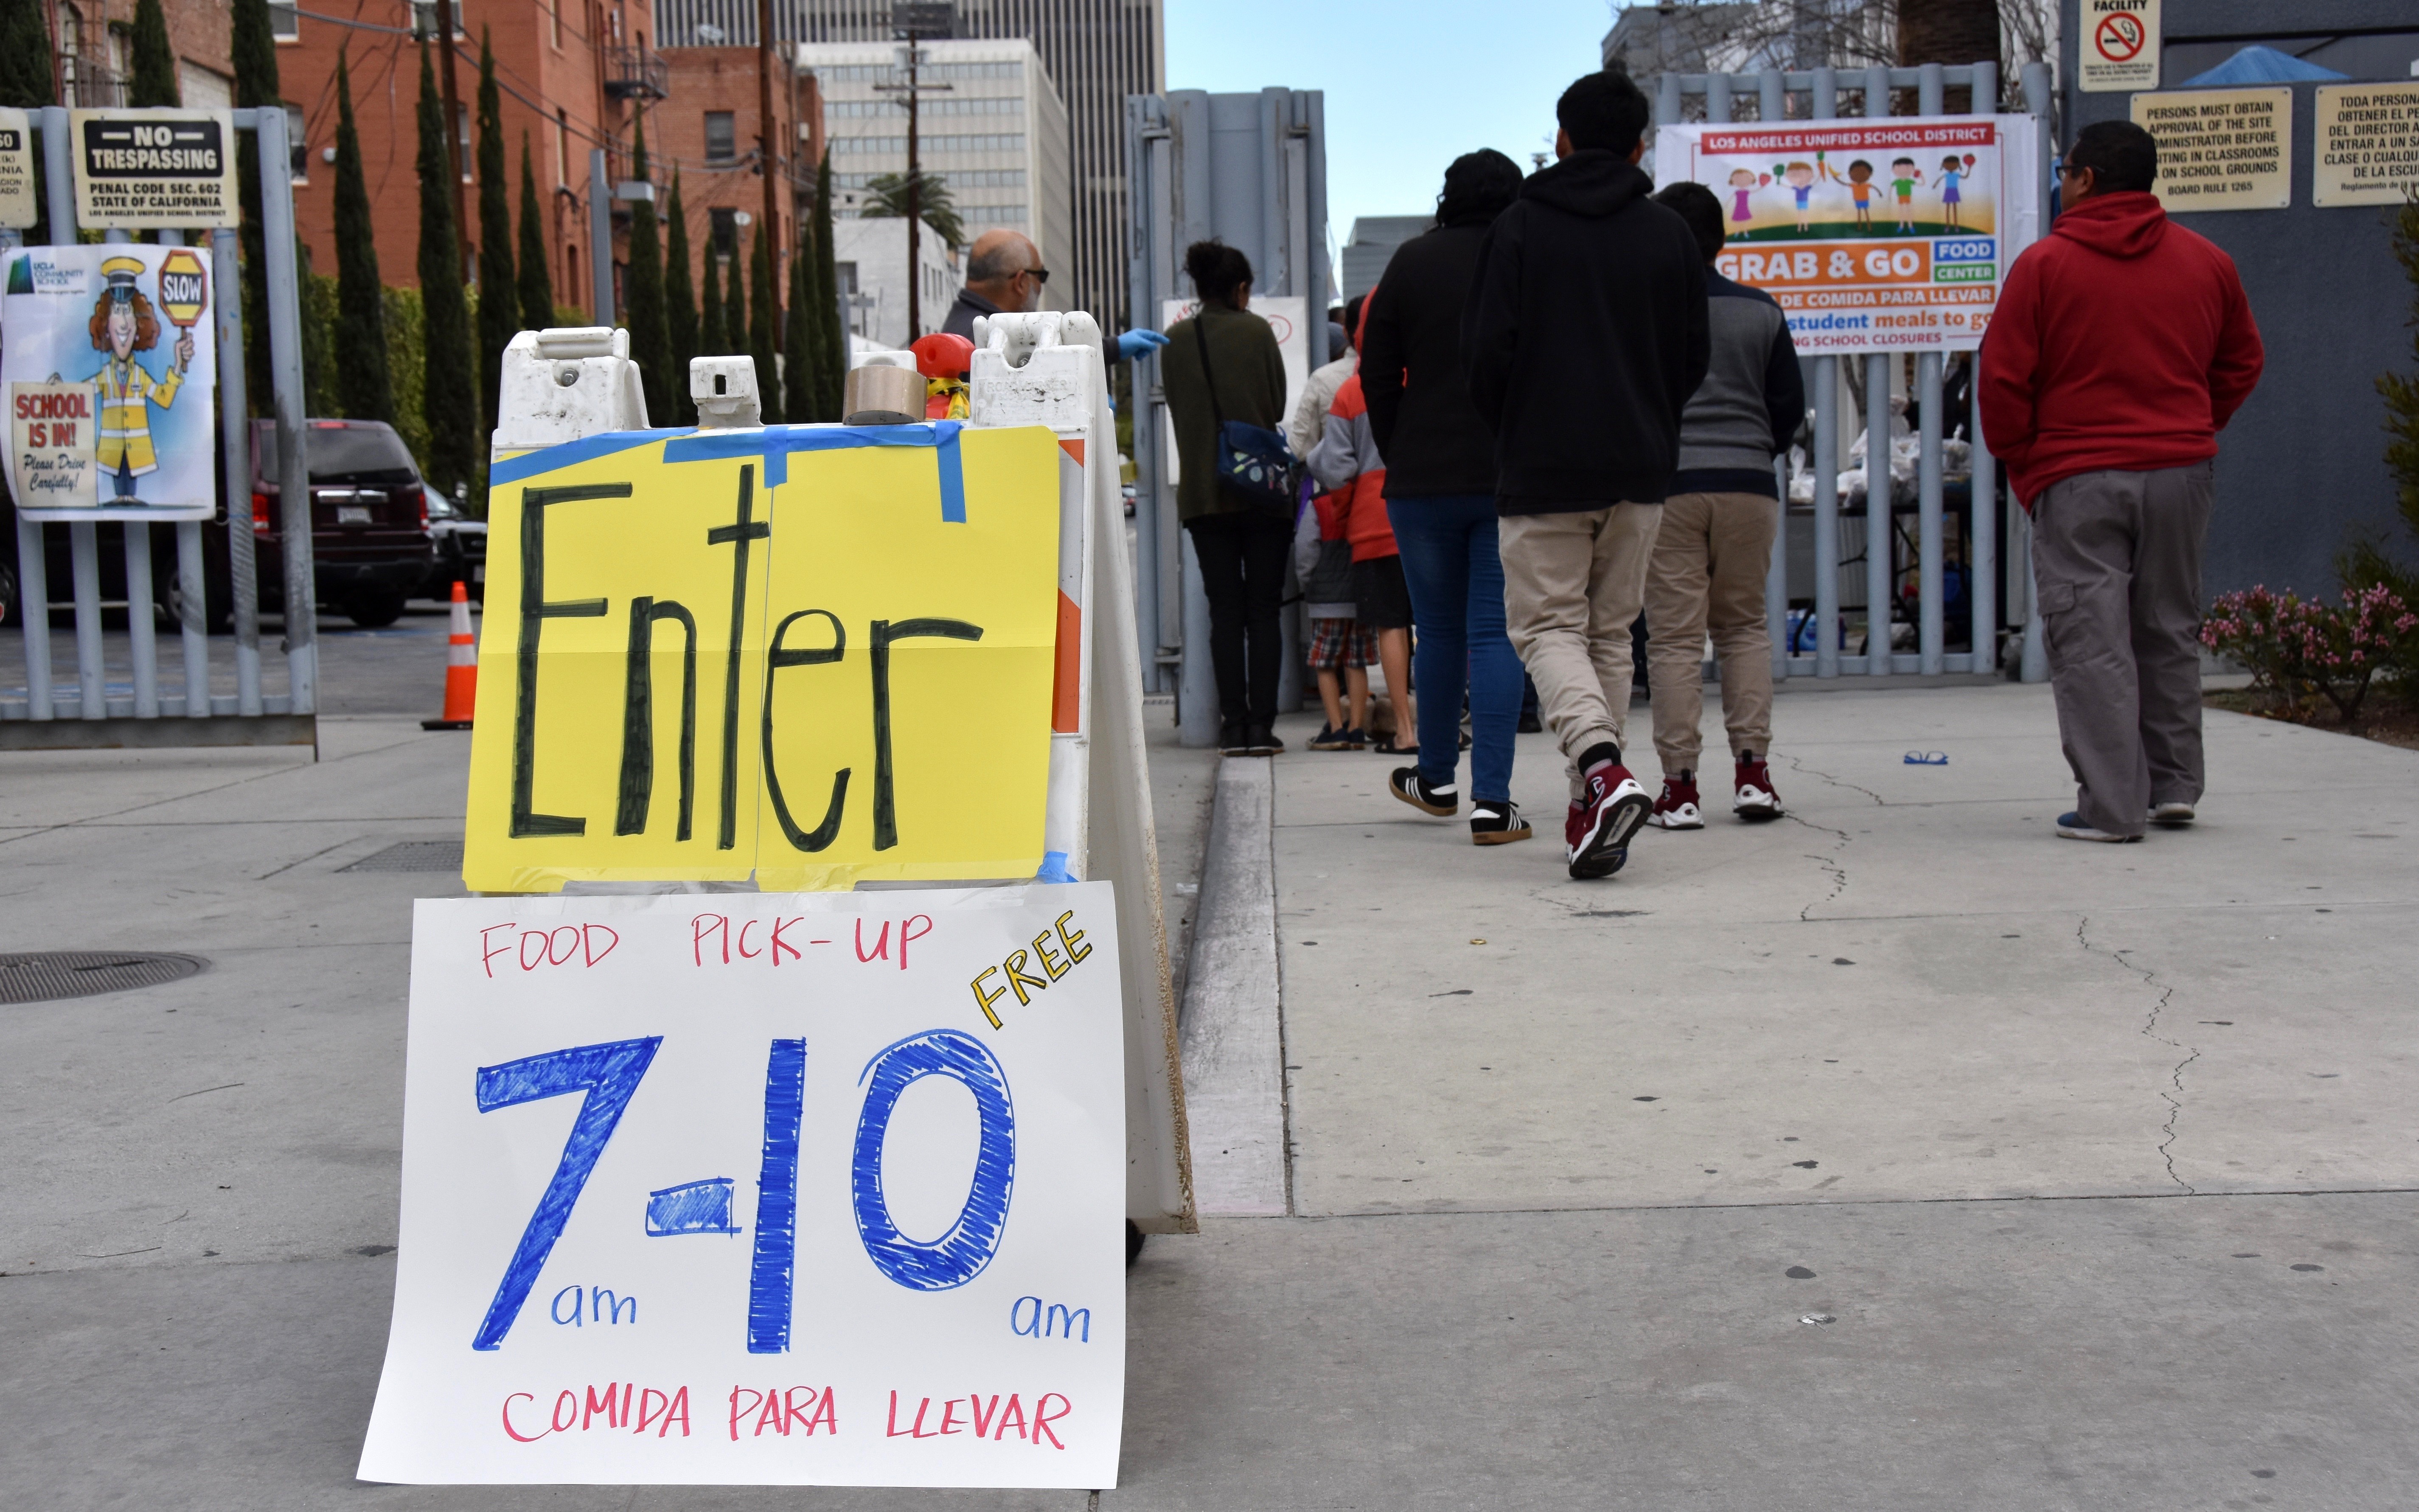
1751, 401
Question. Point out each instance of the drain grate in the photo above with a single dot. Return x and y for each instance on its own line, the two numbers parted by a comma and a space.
413, 856
46, 976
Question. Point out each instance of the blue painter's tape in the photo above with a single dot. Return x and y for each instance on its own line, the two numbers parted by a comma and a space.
571, 454
1053, 868
953, 477
775, 443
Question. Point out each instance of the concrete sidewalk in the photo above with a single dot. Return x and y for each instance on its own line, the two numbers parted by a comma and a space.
1717, 1184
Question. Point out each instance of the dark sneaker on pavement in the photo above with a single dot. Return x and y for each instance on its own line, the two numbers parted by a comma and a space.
1676, 809
1756, 802
1330, 738
1406, 783
1496, 824
2172, 815
2070, 826
1259, 740
1231, 742
1596, 834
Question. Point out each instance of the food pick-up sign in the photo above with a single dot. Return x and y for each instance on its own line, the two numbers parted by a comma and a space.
812, 655
760, 1190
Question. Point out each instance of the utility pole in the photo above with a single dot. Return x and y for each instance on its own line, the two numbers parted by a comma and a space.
912, 22
455, 146
769, 159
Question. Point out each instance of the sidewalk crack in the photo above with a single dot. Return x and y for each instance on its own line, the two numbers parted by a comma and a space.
1831, 864
2173, 1095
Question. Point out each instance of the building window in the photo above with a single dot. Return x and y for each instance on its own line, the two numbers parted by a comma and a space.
562, 149
283, 24
462, 138
298, 143
554, 13
726, 232
423, 19
721, 137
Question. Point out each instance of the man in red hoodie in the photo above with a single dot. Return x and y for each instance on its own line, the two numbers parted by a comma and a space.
2122, 346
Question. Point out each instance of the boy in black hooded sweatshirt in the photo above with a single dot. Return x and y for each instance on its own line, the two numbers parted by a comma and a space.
1585, 334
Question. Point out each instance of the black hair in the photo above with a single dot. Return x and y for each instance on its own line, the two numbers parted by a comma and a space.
1697, 206
2120, 155
1216, 271
1603, 110
1478, 187
1352, 312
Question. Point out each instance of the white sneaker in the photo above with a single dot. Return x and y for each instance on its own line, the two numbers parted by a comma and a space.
2070, 826
2173, 815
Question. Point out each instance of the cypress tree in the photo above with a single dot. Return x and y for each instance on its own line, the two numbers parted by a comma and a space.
254, 53
709, 314
25, 83
451, 392
152, 66
761, 323
536, 287
679, 304
802, 398
651, 341
734, 303
361, 386
827, 296
499, 300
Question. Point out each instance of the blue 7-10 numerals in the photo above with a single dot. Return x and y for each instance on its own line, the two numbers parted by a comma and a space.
610, 1074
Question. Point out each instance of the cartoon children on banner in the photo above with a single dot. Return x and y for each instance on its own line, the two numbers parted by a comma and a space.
1861, 186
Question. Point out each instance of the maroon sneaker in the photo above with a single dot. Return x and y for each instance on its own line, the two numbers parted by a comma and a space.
1678, 808
1755, 802
1597, 832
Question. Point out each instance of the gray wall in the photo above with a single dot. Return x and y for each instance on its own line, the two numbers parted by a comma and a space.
2303, 464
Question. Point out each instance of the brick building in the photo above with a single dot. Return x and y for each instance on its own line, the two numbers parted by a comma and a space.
91, 39
573, 75
707, 124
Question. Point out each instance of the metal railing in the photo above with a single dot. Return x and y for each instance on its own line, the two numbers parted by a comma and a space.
1883, 570
87, 715
637, 73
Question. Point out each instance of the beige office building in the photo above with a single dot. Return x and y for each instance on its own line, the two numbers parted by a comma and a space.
997, 136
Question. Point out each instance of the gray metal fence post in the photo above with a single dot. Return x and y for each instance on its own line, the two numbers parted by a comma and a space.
285, 381
33, 565
1982, 546
600, 248
191, 627
2038, 102
1881, 542
235, 436
142, 642
83, 566
1932, 640
1825, 105
1772, 104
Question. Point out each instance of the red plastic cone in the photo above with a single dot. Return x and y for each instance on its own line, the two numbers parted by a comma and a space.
461, 669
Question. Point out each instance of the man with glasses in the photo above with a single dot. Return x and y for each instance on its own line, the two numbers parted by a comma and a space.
2122, 346
1004, 274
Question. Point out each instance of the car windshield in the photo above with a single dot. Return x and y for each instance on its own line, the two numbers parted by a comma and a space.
357, 455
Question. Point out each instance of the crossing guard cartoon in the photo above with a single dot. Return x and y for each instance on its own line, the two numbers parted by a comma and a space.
124, 323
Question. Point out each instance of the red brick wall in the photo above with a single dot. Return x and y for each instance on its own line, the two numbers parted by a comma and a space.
711, 78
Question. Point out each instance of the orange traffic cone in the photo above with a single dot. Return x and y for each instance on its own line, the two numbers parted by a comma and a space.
461, 670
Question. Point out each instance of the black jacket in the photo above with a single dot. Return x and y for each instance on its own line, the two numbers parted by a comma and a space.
1410, 369
1585, 335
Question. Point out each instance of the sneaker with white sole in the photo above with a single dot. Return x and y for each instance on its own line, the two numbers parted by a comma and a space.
2070, 826
1596, 836
1676, 807
1496, 824
2172, 815
1406, 783
1754, 799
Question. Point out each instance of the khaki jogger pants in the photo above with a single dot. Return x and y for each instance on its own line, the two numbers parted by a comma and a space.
2116, 564
1708, 571
1573, 585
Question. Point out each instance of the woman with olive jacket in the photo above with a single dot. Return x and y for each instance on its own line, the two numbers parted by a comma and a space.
1241, 549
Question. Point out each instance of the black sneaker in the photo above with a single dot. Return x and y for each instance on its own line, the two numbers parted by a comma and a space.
1259, 740
1330, 738
1496, 824
1406, 783
1231, 742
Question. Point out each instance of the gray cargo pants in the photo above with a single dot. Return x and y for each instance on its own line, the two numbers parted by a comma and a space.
2117, 563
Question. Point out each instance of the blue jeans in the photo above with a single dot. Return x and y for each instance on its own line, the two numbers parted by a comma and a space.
1456, 582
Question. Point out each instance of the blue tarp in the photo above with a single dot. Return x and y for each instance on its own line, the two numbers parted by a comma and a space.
2263, 65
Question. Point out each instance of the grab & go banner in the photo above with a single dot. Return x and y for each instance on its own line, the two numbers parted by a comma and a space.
815, 656
721, 1189
1889, 235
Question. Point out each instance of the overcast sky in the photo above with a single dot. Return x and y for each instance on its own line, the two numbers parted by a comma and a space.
1411, 84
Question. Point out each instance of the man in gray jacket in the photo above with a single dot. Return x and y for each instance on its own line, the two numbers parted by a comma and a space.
1714, 548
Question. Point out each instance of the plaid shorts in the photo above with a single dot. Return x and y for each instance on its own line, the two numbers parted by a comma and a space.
1335, 644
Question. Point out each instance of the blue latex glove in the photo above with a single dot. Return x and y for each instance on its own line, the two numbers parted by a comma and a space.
1136, 344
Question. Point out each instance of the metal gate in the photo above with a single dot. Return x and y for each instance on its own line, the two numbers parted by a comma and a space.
1883, 567
85, 715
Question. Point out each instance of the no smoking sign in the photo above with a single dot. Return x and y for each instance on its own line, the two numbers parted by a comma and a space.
2123, 50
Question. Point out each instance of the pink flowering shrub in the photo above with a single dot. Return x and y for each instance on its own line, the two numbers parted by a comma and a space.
2294, 648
